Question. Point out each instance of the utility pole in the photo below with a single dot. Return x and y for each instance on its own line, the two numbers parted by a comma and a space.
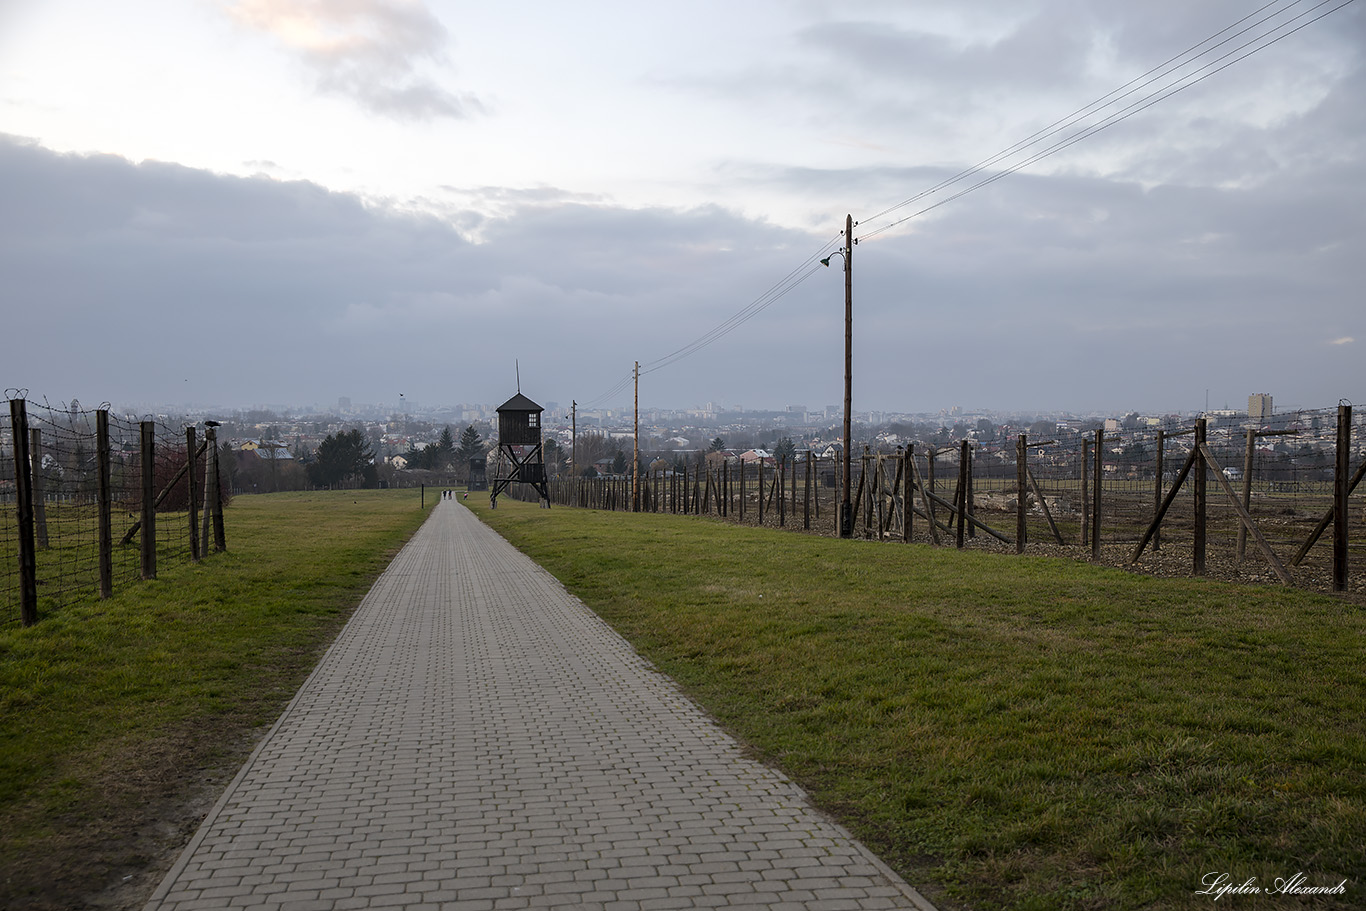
635, 458
845, 517
846, 512
574, 440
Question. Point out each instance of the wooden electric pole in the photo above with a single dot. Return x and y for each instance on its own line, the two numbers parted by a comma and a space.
846, 513
635, 458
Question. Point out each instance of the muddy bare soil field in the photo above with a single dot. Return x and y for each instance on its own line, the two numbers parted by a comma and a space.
150, 802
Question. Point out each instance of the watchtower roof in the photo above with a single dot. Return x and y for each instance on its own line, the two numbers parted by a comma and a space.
519, 402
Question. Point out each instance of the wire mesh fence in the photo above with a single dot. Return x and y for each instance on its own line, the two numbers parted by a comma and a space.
1276, 498
1266, 488
90, 502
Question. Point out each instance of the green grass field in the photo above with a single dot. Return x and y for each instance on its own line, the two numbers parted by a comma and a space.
1007, 732
111, 712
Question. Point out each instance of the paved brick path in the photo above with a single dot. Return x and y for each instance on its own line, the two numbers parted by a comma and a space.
477, 739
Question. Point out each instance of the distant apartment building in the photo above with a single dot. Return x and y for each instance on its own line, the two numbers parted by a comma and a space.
1259, 407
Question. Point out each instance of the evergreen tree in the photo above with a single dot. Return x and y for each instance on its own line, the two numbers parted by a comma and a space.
418, 458
471, 445
343, 457
785, 450
444, 454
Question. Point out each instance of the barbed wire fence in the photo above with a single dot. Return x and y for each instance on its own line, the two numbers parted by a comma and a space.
90, 502
1220, 496
1272, 499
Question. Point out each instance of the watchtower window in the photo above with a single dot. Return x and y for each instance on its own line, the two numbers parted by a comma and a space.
533, 420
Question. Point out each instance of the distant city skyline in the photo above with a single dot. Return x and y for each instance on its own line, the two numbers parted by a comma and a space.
344, 406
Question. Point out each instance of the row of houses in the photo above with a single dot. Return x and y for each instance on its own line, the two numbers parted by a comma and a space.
606, 467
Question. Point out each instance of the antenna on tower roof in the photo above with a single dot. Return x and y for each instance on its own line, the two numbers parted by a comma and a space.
518, 365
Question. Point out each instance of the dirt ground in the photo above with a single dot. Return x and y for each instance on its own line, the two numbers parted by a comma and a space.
151, 801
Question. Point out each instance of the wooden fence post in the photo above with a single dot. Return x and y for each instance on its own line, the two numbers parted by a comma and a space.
191, 460
1247, 489
806, 495
875, 490
23, 493
1085, 493
148, 531
1201, 499
104, 496
1021, 495
970, 502
1340, 491
220, 542
962, 493
1098, 486
907, 510
865, 483
1158, 492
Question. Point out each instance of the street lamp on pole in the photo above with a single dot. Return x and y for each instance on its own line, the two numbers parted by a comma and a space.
846, 515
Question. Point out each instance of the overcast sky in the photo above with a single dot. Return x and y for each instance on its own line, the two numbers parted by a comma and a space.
242, 202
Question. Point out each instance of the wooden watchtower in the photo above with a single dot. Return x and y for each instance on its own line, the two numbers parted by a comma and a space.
521, 459
479, 478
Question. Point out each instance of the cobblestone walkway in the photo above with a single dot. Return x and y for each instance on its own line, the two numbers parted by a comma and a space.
477, 739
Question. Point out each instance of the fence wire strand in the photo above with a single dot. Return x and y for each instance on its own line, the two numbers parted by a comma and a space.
63, 454
1287, 492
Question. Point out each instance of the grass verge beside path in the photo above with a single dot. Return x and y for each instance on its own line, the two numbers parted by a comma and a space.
121, 720
1020, 733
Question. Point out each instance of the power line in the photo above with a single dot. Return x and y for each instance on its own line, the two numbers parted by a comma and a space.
776, 292
617, 387
1161, 94
1078, 118
1075, 116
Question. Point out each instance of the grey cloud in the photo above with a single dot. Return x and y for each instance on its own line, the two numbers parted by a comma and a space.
370, 51
261, 290
1059, 291
910, 89
1038, 54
